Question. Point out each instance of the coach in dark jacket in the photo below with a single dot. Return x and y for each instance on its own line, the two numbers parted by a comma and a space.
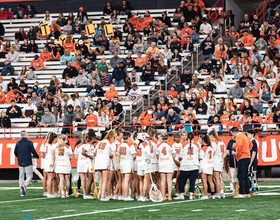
24, 150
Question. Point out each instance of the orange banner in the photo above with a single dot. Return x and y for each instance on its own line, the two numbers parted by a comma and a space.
9, 160
268, 150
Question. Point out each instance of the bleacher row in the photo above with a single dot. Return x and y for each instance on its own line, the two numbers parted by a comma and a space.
54, 67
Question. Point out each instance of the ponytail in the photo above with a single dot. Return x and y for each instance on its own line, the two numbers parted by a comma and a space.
214, 133
190, 137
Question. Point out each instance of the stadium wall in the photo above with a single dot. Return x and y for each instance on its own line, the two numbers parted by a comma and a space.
96, 5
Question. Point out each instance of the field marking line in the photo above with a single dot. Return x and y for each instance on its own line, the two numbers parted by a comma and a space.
197, 210
28, 210
21, 200
153, 210
70, 210
14, 187
241, 210
128, 208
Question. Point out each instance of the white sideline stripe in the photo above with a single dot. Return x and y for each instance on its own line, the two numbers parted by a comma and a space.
241, 210
197, 210
21, 200
153, 210
9, 188
28, 210
128, 208
268, 194
71, 210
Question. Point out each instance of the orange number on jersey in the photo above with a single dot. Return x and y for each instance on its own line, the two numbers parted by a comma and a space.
122, 151
222, 148
210, 155
190, 151
163, 151
102, 146
177, 151
139, 152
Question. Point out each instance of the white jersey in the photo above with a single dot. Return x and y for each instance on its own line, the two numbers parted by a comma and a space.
177, 148
48, 148
153, 148
102, 159
63, 160
143, 156
190, 155
126, 152
83, 162
219, 148
165, 158
43, 150
206, 155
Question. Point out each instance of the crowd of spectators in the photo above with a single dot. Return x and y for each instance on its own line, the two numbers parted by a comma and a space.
249, 51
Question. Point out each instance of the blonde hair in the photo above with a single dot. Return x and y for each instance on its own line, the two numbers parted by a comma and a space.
84, 138
110, 135
61, 141
151, 132
214, 133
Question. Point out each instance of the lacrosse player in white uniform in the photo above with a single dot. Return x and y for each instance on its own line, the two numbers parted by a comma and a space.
219, 149
62, 156
43, 155
165, 155
206, 155
127, 154
49, 166
102, 161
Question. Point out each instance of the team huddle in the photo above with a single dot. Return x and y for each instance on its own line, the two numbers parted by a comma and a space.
130, 164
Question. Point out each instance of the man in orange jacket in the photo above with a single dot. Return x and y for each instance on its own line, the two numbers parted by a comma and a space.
243, 147
145, 117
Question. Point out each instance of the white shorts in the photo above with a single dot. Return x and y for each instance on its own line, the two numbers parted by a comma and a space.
218, 165
152, 168
140, 172
207, 170
233, 173
135, 165
101, 164
163, 168
62, 169
48, 168
82, 166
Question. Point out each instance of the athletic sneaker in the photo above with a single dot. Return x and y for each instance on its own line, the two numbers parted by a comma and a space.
67, 195
191, 196
120, 198
50, 196
204, 197
110, 197
115, 197
217, 196
63, 196
239, 196
222, 195
180, 197
128, 199
23, 191
139, 198
143, 199
87, 197
45, 194
104, 199
56, 195
177, 194
231, 187
248, 195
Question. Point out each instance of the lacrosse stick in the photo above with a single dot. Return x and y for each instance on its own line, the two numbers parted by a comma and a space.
74, 180
236, 188
95, 192
154, 194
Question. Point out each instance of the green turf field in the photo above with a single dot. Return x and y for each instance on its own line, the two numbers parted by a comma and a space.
34, 206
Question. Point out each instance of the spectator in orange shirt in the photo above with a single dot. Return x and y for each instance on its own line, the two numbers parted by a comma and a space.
232, 122
69, 45
221, 53
172, 93
16, 95
247, 39
91, 119
147, 18
225, 117
243, 147
2, 95
111, 92
153, 48
251, 93
55, 29
139, 62
141, 24
45, 55
145, 117
133, 20
37, 63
